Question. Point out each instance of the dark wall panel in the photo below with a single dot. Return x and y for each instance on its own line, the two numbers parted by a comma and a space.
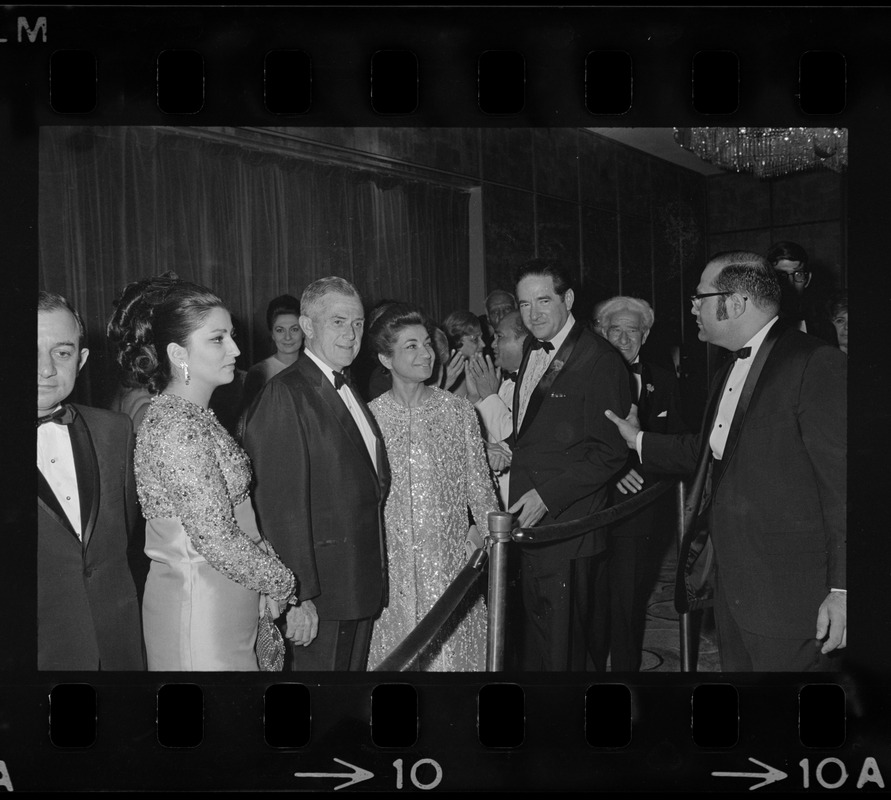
507, 156
600, 255
597, 171
556, 162
636, 239
806, 197
558, 232
509, 233
737, 202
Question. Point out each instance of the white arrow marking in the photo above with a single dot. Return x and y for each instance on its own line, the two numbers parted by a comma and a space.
356, 776
772, 774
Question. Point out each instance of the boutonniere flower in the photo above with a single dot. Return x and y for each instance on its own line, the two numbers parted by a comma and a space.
651, 388
556, 365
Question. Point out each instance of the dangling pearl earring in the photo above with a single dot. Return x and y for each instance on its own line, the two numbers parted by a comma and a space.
185, 368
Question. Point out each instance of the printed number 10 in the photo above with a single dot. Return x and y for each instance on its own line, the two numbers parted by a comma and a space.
413, 773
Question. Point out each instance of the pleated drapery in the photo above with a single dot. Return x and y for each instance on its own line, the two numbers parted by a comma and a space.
122, 203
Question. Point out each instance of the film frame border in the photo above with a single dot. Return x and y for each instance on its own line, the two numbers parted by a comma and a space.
661, 47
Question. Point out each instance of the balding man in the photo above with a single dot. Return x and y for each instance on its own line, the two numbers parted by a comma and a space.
770, 476
87, 611
623, 581
492, 393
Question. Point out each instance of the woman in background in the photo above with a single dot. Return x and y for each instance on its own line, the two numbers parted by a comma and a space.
283, 322
465, 336
838, 314
211, 572
438, 471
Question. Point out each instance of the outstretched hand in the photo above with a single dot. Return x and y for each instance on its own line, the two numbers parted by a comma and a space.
628, 427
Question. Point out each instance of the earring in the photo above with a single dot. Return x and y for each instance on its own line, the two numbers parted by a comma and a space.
185, 368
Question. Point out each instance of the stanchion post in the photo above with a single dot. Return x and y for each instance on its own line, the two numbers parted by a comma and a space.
683, 619
500, 525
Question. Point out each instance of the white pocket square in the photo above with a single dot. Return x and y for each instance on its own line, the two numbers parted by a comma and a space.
663, 414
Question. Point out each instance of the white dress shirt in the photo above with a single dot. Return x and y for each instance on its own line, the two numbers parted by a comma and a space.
539, 361
352, 403
496, 411
732, 390
729, 398
55, 459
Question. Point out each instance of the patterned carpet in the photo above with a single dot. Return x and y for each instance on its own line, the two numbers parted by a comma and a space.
661, 646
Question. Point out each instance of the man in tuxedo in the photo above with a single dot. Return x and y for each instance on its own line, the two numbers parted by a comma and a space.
320, 482
635, 545
87, 611
493, 394
564, 459
770, 477
801, 305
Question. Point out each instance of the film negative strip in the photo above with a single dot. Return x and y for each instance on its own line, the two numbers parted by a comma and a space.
514, 106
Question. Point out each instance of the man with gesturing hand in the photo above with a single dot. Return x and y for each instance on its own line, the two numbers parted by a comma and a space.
769, 476
565, 454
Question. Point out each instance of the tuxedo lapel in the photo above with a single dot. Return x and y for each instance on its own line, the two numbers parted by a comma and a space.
338, 409
86, 466
541, 390
643, 403
46, 498
521, 372
748, 390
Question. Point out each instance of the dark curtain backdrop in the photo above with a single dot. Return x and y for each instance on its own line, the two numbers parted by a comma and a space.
119, 204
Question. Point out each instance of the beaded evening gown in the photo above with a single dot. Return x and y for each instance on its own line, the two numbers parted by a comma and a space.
208, 561
438, 468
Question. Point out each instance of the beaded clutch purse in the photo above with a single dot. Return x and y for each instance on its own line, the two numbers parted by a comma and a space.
270, 645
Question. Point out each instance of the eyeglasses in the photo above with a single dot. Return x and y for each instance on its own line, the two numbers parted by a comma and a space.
696, 299
797, 276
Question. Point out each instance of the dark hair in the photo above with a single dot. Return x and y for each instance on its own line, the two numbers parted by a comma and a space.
790, 251
149, 315
50, 301
747, 274
838, 303
548, 268
520, 331
460, 323
396, 316
283, 304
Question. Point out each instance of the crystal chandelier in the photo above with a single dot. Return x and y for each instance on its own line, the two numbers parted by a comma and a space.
768, 152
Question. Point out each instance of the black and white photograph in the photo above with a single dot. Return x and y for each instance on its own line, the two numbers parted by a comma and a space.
418, 409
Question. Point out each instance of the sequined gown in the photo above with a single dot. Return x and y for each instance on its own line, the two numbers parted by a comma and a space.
200, 609
438, 469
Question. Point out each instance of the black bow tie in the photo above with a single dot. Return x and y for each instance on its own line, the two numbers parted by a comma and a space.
635, 367
63, 415
743, 352
339, 380
509, 376
539, 345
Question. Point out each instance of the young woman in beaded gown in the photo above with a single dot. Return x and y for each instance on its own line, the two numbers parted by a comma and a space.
438, 470
211, 573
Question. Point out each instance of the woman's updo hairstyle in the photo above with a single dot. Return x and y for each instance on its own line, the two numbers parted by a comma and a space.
459, 324
149, 315
385, 329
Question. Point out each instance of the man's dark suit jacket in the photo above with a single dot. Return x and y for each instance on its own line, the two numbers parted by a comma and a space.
88, 615
566, 448
776, 512
318, 497
659, 411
